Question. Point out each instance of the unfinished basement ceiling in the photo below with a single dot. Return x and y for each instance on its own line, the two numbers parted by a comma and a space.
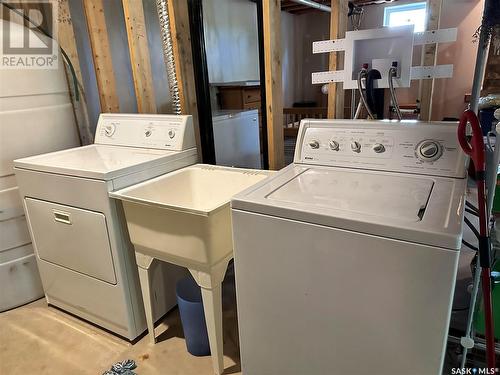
293, 7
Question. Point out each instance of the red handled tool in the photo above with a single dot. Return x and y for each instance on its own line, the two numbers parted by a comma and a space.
475, 149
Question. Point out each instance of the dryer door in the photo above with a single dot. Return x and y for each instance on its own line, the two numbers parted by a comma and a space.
71, 237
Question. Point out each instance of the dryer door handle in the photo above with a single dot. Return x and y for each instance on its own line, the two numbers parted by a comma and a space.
62, 217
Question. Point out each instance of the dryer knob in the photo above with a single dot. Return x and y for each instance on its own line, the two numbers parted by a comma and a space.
334, 145
356, 146
378, 148
171, 133
109, 130
314, 144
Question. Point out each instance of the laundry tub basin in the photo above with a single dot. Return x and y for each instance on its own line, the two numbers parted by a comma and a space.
183, 217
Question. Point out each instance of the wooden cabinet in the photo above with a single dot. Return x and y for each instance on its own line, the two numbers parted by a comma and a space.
239, 97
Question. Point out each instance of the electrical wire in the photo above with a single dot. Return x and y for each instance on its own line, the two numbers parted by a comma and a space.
471, 226
393, 71
361, 74
469, 245
46, 33
472, 212
471, 206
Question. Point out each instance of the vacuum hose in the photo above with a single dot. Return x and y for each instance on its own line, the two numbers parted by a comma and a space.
393, 71
362, 74
475, 149
168, 55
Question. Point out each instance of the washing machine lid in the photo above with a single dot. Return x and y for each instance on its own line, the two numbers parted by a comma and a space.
422, 209
378, 195
101, 162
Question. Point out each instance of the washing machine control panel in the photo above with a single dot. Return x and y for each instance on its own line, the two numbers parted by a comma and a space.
426, 148
166, 132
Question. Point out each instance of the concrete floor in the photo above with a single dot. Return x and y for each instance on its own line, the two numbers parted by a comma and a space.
38, 339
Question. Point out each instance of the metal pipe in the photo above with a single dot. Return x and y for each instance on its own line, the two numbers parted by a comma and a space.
481, 57
467, 341
392, 74
480, 343
168, 55
315, 5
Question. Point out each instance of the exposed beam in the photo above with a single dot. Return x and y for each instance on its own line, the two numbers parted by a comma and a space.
66, 39
334, 34
139, 55
101, 54
274, 100
183, 57
342, 28
429, 57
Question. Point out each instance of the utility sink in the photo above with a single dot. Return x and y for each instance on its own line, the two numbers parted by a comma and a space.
185, 215
184, 218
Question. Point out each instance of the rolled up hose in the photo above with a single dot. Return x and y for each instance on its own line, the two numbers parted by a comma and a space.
475, 149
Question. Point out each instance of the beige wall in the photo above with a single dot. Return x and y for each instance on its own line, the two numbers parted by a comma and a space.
448, 98
449, 93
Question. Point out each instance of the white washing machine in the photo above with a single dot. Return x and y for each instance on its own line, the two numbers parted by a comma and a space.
345, 260
84, 255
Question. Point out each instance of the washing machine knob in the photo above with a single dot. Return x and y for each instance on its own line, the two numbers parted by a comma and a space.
334, 145
378, 148
356, 146
429, 150
314, 144
171, 133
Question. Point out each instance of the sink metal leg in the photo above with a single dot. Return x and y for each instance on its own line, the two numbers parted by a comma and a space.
143, 264
212, 306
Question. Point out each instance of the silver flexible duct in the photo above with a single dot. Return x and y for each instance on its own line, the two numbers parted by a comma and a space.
393, 71
361, 74
168, 55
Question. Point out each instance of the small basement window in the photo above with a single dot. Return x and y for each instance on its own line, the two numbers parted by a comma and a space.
407, 14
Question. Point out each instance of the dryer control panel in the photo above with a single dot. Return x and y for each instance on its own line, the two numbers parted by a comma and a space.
165, 132
412, 147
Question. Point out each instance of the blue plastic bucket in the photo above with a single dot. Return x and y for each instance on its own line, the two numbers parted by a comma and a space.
486, 119
192, 316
